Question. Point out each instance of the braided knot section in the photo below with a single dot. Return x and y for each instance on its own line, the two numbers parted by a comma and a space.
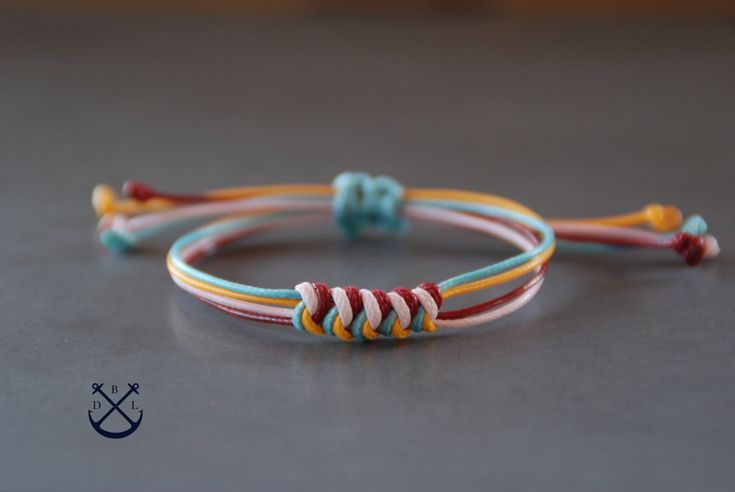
361, 314
361, 200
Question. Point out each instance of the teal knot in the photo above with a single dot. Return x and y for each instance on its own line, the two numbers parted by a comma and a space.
694, 225
116, 241
361, 201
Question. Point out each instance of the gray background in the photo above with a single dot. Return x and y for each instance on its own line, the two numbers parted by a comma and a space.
618, 376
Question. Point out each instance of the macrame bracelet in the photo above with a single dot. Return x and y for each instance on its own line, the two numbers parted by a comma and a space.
357, 201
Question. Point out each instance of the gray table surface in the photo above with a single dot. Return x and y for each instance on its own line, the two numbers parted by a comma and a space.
618, 376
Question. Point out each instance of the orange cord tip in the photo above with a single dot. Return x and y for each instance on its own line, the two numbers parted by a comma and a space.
663, 218
103, 199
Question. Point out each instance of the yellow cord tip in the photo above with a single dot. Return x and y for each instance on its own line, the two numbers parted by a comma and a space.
663, 218
103, 199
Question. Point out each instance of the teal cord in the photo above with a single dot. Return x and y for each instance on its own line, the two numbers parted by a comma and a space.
362, 201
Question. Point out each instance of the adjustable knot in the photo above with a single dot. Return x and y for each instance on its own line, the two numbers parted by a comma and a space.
360, 314
361, 200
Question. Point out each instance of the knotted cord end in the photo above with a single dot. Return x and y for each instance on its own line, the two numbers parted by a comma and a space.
695, 248
116, 241
694, 225
104, 198
663, 218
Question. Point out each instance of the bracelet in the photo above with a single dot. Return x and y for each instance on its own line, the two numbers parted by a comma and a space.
357, 201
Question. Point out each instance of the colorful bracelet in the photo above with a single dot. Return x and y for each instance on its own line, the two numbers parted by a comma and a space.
357, 201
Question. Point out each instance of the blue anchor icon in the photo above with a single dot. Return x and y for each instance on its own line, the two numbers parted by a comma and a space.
97, 425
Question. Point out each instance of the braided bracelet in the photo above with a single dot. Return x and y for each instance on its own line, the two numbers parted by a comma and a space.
357, 201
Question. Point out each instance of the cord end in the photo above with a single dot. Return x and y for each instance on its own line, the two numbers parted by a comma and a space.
711, 246
695, 225
115, 241
663, 218
695, 248
104, 198
105, 222
137, 190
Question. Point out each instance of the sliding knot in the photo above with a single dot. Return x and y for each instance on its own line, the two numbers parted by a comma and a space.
361, 201
352, 314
